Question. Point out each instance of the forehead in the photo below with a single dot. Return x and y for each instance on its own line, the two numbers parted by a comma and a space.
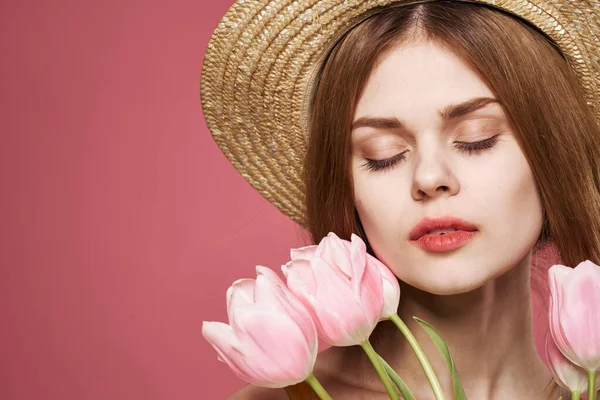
418, 79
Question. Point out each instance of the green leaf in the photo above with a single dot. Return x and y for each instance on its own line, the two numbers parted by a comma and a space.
442, 346
404, 390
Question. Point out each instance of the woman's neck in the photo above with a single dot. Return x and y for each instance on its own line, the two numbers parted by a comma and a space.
490, 335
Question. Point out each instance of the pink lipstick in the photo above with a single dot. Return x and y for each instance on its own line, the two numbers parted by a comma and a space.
438, 235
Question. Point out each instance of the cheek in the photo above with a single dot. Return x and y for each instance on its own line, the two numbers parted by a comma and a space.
520, 190
370, 203
513, 203
381, 201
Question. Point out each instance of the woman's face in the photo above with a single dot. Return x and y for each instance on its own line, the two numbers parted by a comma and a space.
455, 204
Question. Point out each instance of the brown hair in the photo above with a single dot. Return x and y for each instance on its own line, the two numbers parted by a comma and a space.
544, 102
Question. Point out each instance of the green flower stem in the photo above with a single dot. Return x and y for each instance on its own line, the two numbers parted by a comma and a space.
412, 341
385, 379
592, 385
575, 395
404, 390
317, 387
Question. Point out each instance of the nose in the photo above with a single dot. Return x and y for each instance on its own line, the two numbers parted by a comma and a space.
433, 176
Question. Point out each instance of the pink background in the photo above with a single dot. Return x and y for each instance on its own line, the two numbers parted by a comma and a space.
122, 222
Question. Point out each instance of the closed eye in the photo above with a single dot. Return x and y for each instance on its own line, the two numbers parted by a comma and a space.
476, 147
378, 165
466, 147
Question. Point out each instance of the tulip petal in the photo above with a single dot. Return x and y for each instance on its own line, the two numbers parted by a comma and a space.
391, 288
372, 290
391, 299
300, 276
309, 299
274, 347
224, 341
566, 374
268, 288
332, 248
303, 253
358, 257
371, 298
240, 293
341, 319
580, 314
556, 275
555, 329
271, 291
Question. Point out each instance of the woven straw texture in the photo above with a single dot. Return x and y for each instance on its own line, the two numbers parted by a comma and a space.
258, 66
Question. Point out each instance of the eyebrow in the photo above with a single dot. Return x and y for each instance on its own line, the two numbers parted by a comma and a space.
449, 113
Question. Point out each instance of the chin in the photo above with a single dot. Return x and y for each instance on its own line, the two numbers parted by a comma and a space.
449, 280
445, 289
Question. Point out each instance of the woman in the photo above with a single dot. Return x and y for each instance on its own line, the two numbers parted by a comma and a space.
453, 137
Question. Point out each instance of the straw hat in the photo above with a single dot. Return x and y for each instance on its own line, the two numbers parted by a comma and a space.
260, 62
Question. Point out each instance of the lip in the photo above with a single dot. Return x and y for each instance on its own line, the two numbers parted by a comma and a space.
464, 231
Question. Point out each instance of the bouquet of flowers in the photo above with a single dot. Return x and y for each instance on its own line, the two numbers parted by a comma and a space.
337, 292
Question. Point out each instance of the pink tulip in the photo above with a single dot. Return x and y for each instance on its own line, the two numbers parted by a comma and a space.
575, 313
566, 374
341, 286
271, 340
391, 289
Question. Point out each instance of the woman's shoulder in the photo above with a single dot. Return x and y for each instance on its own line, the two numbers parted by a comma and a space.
252, 392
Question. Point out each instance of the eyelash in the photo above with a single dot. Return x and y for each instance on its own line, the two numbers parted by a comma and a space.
465, 147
